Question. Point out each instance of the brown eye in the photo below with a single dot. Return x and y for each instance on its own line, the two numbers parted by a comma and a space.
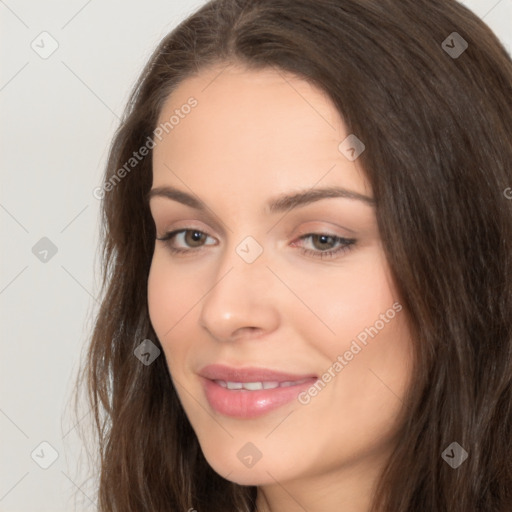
322, 242
193, 238
324, 245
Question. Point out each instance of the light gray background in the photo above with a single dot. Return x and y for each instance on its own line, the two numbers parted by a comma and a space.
58, 115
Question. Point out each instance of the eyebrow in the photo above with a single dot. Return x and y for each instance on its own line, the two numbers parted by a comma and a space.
277, 204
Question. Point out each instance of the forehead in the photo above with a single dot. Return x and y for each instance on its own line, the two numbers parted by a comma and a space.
252, 128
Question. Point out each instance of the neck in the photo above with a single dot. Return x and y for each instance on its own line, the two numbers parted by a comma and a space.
349, 488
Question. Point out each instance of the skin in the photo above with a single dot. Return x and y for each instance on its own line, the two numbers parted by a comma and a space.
255, 135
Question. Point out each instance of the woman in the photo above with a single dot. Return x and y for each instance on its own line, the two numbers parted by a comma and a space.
307, 246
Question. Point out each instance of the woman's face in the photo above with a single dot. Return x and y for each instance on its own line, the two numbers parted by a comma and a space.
278, 282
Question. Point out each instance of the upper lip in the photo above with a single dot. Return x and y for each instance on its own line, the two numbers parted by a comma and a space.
249, 374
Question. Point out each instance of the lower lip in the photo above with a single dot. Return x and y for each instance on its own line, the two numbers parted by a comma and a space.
250, 404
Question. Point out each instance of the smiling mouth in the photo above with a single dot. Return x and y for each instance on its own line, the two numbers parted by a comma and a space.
247, 400
259, 385
249, 392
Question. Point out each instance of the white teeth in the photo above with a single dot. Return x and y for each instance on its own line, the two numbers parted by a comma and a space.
253, 386
256, 386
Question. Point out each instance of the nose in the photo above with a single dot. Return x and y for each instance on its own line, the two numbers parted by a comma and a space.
243, 300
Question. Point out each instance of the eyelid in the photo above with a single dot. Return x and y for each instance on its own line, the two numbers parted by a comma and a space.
162, 212
319, 227
185, 224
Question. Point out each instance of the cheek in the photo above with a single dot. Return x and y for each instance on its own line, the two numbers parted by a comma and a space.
174, 295
164, 313
158, 296
339, 302
364, 340
171, 294
168, 302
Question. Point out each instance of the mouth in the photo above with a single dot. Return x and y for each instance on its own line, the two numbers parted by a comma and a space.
257, 386
246, 393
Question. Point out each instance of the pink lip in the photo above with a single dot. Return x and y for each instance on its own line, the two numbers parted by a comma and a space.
250, 374
250, 404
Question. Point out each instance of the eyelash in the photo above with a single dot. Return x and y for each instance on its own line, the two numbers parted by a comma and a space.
347, 243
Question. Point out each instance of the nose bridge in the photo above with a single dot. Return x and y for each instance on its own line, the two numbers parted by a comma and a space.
240, 292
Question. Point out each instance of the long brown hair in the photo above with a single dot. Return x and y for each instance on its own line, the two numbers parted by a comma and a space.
437, 127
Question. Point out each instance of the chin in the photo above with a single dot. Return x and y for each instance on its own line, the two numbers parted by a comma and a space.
232, 469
